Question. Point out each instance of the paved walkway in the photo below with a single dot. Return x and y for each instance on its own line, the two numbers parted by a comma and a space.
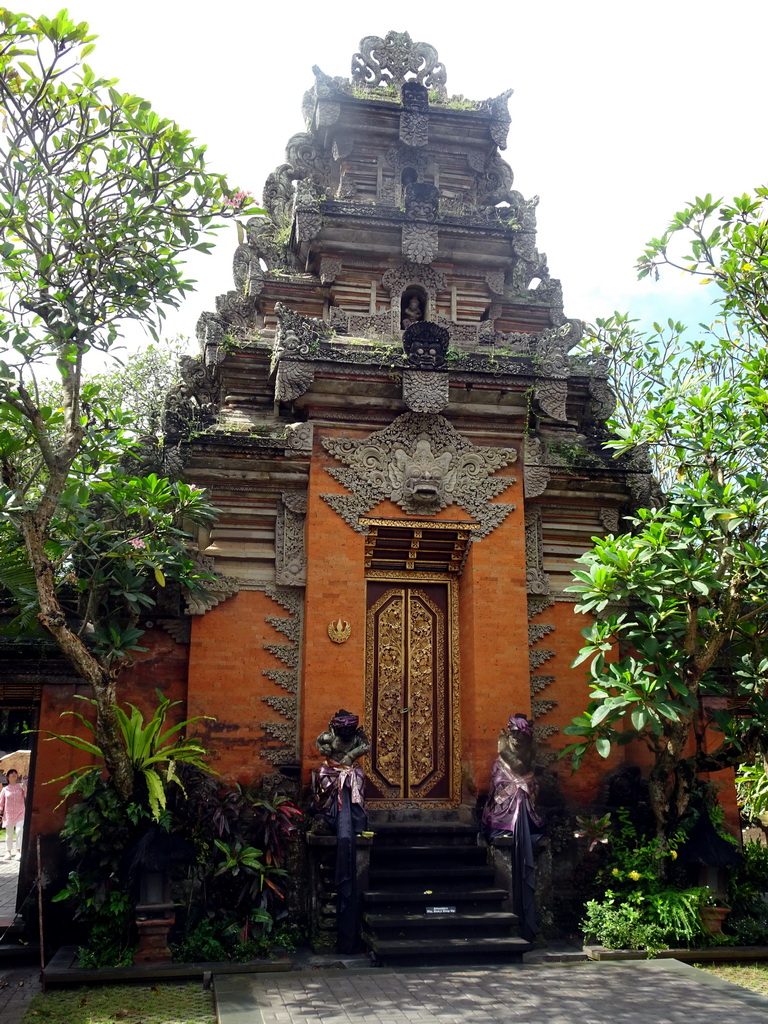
17, 986
640, 992
9, 880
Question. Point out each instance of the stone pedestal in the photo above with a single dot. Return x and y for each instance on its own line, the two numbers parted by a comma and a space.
322, 892
154, 925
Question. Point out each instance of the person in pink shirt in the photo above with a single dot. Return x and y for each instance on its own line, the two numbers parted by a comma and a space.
12, 800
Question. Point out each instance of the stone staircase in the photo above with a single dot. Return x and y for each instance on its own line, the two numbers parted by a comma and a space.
433, 898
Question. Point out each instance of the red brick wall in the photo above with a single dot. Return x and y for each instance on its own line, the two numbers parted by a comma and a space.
227, 657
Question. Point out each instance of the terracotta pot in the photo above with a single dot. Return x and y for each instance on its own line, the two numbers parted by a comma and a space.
712, 919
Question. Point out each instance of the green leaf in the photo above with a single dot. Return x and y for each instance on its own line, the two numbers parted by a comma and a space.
603, 746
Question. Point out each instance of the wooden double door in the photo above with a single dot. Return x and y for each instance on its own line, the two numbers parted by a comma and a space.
411, 699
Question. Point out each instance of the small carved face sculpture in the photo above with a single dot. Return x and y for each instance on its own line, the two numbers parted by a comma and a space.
423, 474
424, 355
345, 732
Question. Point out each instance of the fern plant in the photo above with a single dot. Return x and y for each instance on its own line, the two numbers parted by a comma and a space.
152, 751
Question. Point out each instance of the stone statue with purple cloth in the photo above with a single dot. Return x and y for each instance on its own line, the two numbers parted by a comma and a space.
510, 813
339, 798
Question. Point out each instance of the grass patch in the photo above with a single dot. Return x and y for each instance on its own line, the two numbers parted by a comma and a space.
127, 1004
751, 976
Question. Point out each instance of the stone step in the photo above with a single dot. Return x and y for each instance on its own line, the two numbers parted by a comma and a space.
424, 950
428, 872
436, 897
463, 853
408, 921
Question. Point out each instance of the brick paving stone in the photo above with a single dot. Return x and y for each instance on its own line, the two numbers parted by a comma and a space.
17, 987
647, 992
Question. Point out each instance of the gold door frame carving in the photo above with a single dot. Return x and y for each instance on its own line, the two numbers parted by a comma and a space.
451, 696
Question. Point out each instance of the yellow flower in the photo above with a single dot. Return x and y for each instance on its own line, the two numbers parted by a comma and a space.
673, 854
635, 876
615, 872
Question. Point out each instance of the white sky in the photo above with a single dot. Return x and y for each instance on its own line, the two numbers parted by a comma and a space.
621, 112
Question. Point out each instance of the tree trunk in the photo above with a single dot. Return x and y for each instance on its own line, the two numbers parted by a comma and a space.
669, 790
102, 682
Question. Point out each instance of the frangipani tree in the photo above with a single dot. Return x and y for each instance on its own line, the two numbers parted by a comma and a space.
684, 593
99, 199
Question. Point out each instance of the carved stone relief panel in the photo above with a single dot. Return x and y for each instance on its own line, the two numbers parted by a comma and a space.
284, 733
396, 280
537, 605
414, 120
425, 390
216, 590
551, 395
536, 580
420, 242
536, 473
423, 464
292, 380
290, 555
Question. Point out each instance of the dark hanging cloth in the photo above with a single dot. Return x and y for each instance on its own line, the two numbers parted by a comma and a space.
509, 813
340, 799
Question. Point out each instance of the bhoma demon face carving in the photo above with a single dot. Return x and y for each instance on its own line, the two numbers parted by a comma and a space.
420, 478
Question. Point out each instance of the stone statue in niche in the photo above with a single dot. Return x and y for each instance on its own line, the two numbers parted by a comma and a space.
339, 800
510, 814
425, 345
413, 312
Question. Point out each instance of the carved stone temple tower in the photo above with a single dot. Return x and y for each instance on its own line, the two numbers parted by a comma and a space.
407, 461
400, 509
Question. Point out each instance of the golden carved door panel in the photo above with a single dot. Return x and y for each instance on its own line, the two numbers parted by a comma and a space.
410, 692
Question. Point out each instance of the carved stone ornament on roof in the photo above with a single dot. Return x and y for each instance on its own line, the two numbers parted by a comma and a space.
640, 488
277, 196
396, 280
400, 157
609, 517
297, 335
361, 325
495, 281
414, 119
246, 272
603, 399
495, 181
551, 395
262, 239
209, 329
500, 119
421, 463
306, 160
397, 59
425, 345
425, 391
298, 437
235, 310
421, 201
193, 403
420, 242
536, 474
148, 455
306, 211
292, 380
330, 268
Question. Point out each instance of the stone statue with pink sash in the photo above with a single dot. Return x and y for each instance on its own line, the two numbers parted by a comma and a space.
510, 813
339, 798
